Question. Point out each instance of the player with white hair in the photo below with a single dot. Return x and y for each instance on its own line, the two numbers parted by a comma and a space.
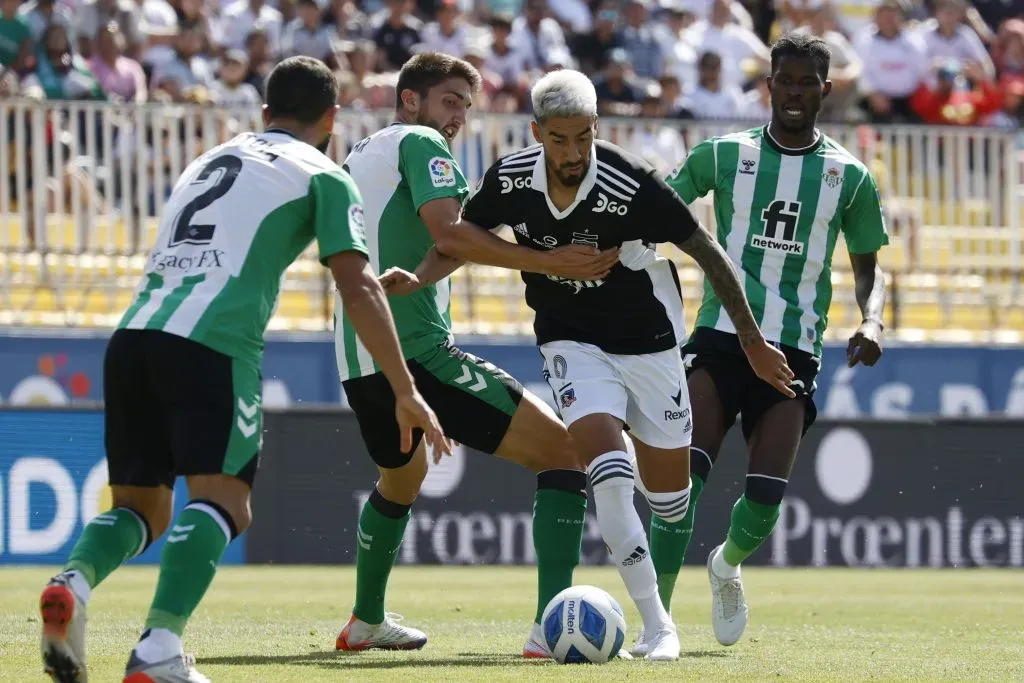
611, 345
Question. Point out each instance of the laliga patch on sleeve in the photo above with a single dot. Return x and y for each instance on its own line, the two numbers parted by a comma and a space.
678, 169
357, 221
442, 173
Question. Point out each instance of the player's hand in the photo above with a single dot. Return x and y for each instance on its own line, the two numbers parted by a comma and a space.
578, 262
412, 412
770, 365
398, 281
865, 345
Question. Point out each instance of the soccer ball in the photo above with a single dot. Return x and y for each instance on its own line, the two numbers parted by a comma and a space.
583, 625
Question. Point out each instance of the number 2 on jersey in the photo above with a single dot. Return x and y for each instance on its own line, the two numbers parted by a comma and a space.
227, 168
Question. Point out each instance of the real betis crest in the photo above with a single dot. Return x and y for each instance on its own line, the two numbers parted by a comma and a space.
832, 177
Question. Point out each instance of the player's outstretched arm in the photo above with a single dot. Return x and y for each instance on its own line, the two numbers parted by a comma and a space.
768, 362
866, 343
434, 267
367, 308
467, 241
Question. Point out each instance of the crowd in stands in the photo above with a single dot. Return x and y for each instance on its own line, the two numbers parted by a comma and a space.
933, 61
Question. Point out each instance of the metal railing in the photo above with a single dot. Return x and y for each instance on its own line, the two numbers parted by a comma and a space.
86, 181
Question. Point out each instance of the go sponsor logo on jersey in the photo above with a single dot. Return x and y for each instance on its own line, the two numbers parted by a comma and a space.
509, 184
605, 205
442, 172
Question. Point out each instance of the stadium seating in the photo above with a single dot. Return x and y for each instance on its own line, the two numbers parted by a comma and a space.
954, 265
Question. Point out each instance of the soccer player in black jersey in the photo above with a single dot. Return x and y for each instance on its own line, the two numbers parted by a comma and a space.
610, 346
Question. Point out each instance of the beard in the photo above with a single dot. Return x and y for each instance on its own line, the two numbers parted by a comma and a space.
423, 120
563, 177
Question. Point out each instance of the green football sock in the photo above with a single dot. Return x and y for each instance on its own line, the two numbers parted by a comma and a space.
379, 537
188, 563
106, 542
669, 541
558, 520
751, 524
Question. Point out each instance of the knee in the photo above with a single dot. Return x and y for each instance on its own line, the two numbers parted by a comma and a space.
229, 495
402, 484
155, 507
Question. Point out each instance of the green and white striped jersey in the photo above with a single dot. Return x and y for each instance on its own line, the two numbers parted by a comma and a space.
238, 217
398, 170
779, 212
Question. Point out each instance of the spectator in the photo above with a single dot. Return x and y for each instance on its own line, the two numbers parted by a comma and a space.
511, 64
895, 64
713, 98
717, 34
757, 102
539, 37
94, 15
995, 12
120, 77
1012, 114
187, 70
348, 21
230, 91
845, 68
396, 33
640, 41
946, 37
671, 94
257, 44
681, 58
242, 16
592, 49
60, 73
41, 13
574, 15
964, 95
371, 90
158, 28
659, 145
855, 16
618, 86
307, 35
15, 38
491, 82
448, 34
1008, 48
202, 14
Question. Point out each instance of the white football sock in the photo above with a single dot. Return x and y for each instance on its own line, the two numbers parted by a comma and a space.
158, 645
611, 478
79, 586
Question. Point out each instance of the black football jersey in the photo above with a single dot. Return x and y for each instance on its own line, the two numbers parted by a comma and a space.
621, 202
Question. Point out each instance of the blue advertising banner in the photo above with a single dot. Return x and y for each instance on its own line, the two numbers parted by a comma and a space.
53, 480
951, 381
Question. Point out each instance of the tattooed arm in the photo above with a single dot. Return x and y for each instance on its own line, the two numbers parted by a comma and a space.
768, 362
715, 263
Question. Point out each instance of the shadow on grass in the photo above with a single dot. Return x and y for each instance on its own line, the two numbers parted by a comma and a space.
356, 661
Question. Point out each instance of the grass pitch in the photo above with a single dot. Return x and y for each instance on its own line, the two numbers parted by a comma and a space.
278, 624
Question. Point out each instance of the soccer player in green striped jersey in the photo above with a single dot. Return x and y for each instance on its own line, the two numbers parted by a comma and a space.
783, 193
181, 376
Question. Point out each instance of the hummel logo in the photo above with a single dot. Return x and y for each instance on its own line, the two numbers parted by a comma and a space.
748, 167
638, 555
678, 397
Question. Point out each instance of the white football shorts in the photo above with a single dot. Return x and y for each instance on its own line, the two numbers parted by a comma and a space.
647, 392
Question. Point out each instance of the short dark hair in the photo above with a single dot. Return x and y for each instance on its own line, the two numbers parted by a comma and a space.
301, 88
709, 60
803, 44
428, 69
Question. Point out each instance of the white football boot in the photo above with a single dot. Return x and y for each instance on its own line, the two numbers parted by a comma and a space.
728, 606
641, 646
663, 646
536, 646
63, 639
387, 635
180, 668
